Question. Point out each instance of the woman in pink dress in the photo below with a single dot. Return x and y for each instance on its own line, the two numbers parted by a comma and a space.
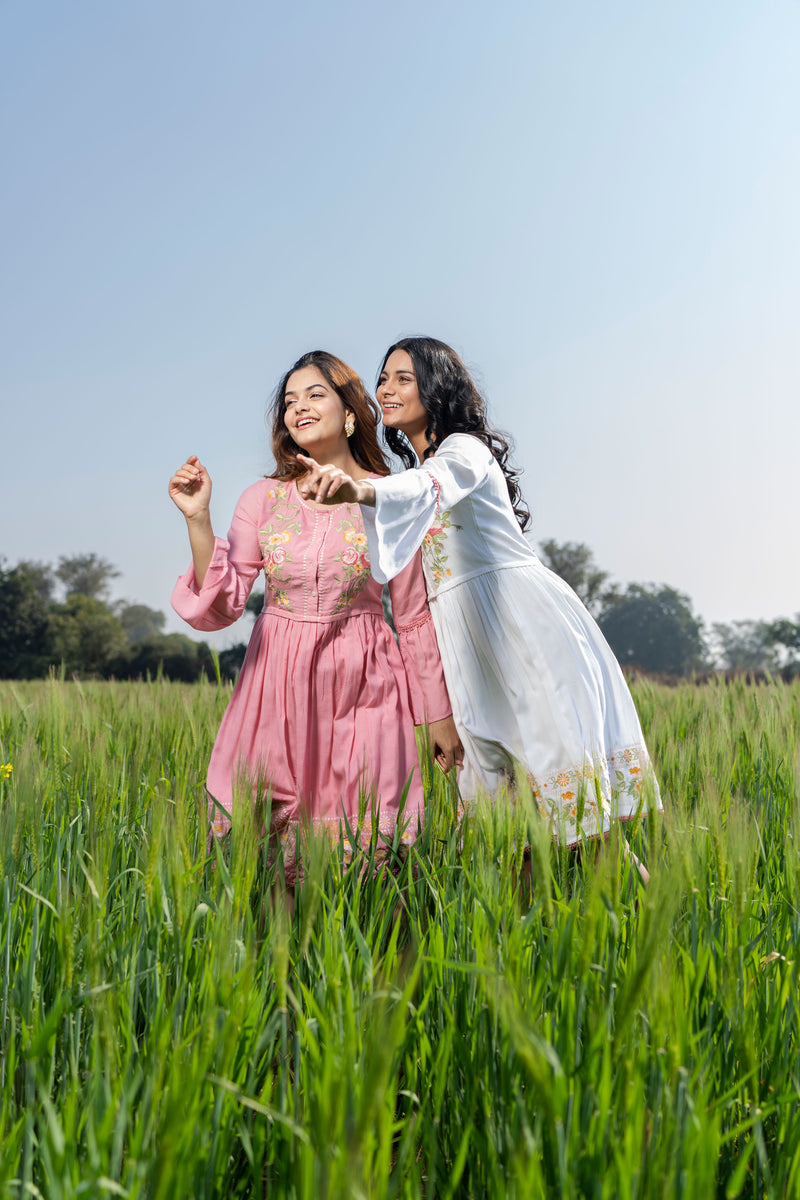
322, 715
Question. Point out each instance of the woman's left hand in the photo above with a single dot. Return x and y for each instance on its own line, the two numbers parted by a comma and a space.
445, 744
332, 485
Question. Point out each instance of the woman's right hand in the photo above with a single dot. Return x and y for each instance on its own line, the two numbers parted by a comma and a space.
190, 488
331, 485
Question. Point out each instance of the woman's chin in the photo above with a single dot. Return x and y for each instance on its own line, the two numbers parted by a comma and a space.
321, 449
390, 421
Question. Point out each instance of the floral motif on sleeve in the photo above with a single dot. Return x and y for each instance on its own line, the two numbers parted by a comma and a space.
355, 562
434, 550
275, 539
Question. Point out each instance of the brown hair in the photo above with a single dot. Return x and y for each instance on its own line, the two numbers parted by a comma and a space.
354, 396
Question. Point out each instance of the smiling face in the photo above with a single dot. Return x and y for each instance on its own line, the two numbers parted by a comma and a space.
398, 396
313, 413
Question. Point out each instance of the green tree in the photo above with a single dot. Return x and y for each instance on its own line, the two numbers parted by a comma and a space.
746, 646
140, 622
652, 627
24, 624
41, 576
231, 660
574, 562
86, 575
86, 636
255, 603
786, 634
173, 655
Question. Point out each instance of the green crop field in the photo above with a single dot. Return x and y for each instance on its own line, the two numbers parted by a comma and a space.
449, 1028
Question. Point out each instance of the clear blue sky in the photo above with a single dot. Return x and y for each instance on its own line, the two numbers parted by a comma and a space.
595, 203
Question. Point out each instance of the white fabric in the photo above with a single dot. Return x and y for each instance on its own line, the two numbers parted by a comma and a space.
531, 678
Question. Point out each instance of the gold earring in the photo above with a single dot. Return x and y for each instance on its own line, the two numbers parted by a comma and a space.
349, 427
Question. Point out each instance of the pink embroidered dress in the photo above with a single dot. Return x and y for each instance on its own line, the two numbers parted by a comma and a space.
324, 708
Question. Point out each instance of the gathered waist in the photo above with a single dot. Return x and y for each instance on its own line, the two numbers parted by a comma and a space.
347, 614
448, 584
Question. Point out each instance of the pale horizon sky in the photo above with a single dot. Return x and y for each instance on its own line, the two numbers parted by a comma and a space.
595, 204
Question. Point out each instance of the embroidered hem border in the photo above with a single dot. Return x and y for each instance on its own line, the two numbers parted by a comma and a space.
374, 832
581, 801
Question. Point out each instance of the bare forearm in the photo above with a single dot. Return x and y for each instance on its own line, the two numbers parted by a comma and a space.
201, 539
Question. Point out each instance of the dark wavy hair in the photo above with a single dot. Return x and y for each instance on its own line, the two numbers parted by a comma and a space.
454, 405
363, 442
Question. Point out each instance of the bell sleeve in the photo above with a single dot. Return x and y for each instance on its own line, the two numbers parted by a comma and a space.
407, 505
419, 648
233, 569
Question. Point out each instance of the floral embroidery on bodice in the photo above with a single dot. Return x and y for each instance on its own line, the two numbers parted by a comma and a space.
275, 540
354, 559
315, 560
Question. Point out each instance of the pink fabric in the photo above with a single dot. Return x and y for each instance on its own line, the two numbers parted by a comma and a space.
324, 707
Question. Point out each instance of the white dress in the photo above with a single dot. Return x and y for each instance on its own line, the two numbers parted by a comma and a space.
533, 682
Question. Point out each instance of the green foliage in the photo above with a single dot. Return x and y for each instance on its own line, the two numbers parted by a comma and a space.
255, 602
232, 659
173, 655
574, 562
747, 646
86, 575
24, 624
40, 575
85, 636
449, 1029
652, 627
786, 633
140, 622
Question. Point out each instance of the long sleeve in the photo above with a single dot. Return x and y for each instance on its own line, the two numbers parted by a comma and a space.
229, 579
418, 645
407, 505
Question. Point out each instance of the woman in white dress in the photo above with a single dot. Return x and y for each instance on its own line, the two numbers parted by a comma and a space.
534, 685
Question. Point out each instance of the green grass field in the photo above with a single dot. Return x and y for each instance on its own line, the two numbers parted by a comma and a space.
167, 1031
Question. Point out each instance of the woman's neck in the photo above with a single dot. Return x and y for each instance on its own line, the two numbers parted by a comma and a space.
340, 456
419, 444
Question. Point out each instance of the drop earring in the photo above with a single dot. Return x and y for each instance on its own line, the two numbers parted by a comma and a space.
349, 427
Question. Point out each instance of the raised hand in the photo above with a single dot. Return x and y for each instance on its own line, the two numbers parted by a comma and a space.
332, 485
190, 488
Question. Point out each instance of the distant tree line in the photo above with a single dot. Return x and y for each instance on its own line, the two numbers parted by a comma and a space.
63, 618
652, 628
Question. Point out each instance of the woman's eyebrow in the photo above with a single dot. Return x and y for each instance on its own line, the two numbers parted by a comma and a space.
304, 390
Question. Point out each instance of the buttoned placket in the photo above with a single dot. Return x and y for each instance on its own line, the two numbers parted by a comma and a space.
312, 572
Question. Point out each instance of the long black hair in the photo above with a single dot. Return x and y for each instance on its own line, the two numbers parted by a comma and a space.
453, 403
